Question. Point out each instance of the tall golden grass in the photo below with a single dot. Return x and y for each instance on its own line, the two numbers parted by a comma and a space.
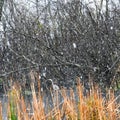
85, 107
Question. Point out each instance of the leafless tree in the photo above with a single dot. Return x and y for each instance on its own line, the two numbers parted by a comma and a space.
1, 5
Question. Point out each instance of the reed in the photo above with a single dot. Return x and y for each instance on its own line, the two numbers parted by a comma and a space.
92, 106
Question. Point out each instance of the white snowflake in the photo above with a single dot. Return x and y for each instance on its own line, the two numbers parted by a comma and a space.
44, 74
74, 45
111, 27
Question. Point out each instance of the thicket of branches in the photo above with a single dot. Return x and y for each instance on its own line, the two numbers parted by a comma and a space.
61, 40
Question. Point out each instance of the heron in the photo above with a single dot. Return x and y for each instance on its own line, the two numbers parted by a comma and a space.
50, 84
53, 94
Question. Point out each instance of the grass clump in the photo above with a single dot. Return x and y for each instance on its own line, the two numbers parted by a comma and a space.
75, 106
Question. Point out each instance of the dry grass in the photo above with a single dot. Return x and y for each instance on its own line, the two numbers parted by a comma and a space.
90, 107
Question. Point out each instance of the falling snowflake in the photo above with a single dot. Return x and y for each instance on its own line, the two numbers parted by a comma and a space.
111, 27
44, 74
74, 45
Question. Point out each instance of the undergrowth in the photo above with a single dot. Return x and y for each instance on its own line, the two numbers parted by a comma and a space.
75, 106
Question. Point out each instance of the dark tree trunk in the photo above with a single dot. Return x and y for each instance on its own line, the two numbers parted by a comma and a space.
1, 5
